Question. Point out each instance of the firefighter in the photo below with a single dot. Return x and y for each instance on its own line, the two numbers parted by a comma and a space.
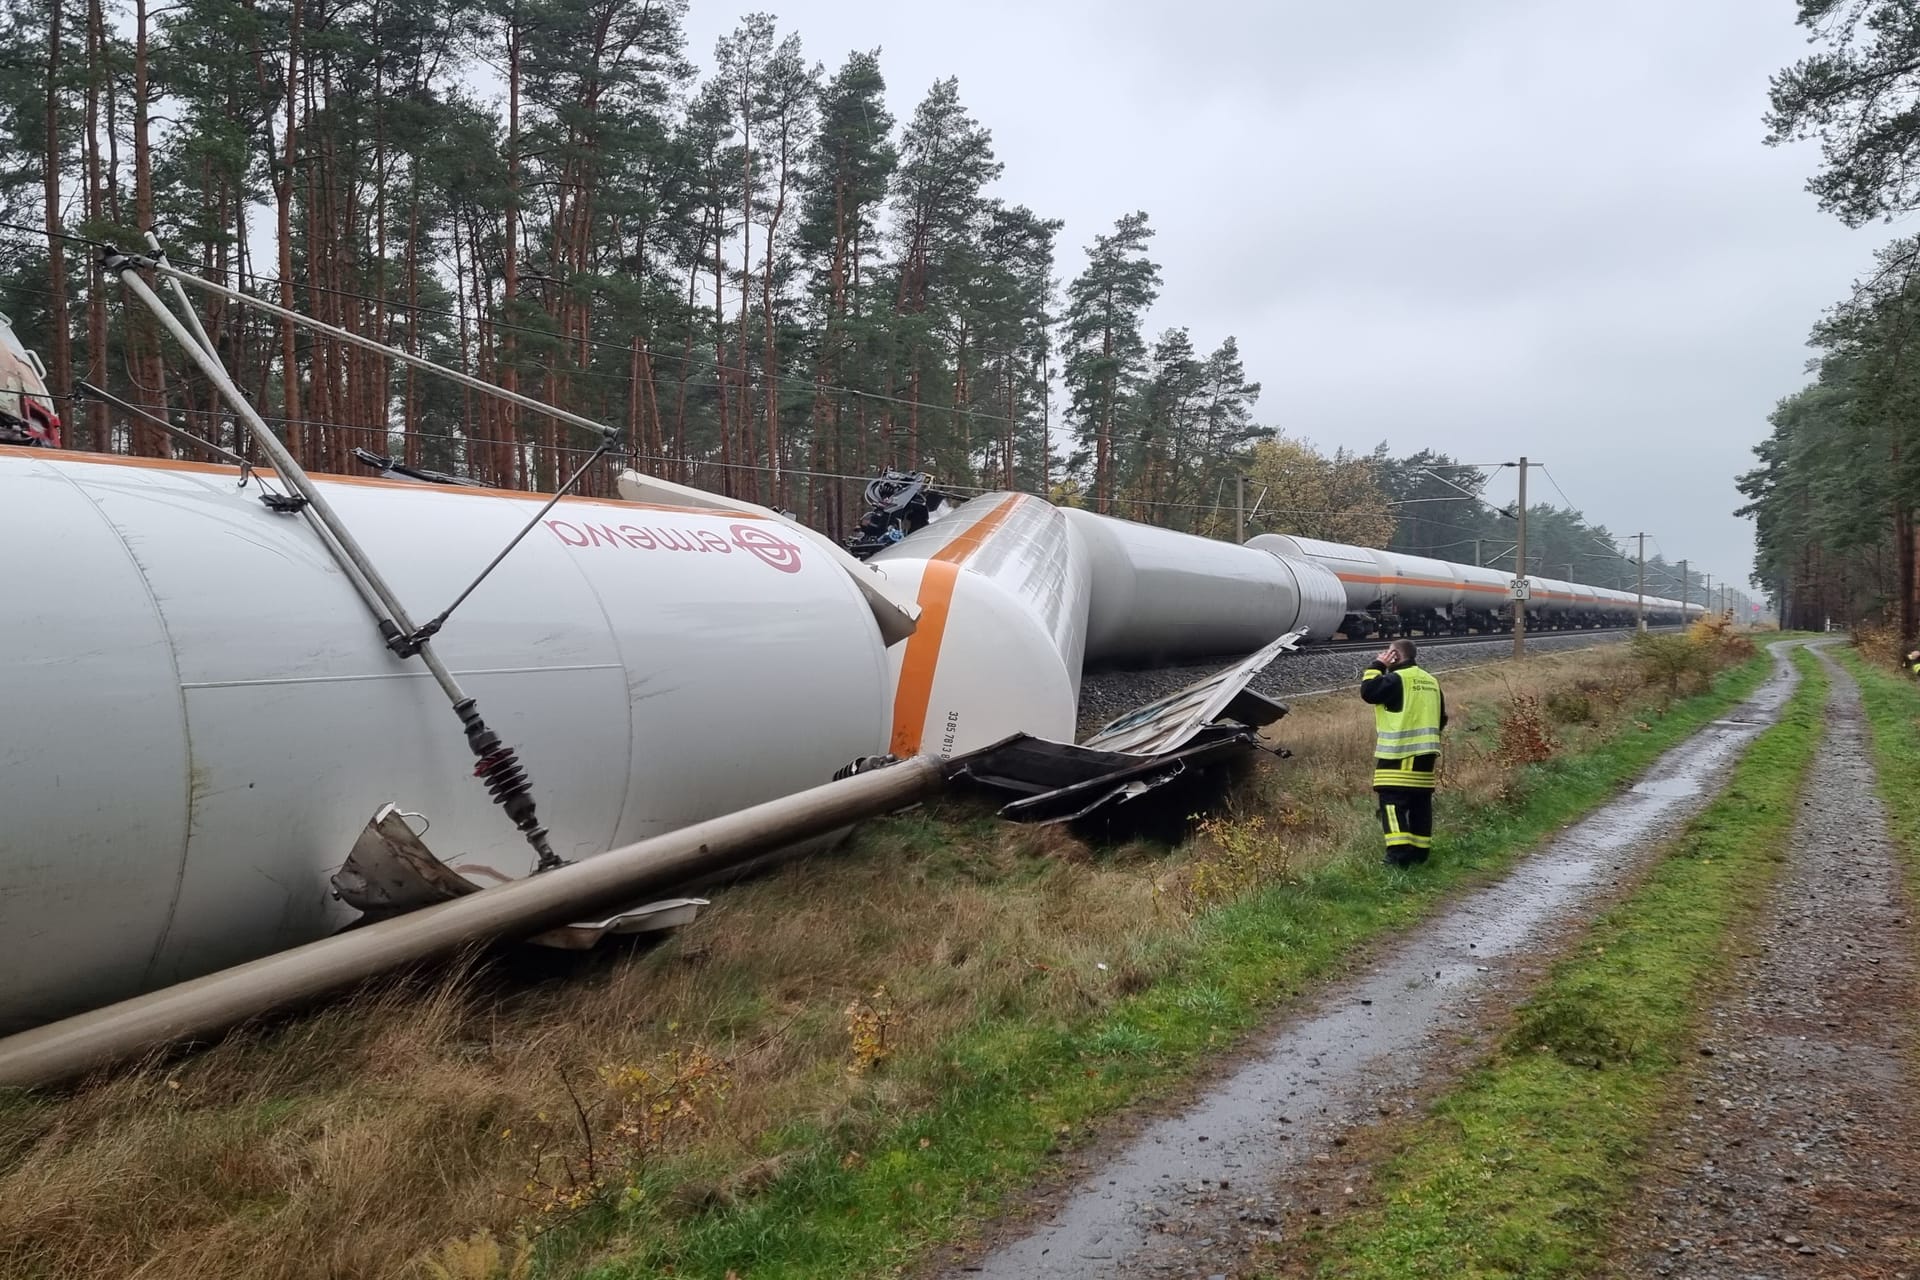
1409, 711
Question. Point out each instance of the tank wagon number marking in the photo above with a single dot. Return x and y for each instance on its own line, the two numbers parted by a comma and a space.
767, 547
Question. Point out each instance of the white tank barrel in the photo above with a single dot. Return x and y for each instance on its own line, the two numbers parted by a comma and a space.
1415, 583
201, 717
1354, 567
1002, 590
1160, 596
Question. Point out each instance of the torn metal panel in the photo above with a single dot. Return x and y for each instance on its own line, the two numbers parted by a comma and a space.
1059, 782
1171, 721
1181, 736
391, 871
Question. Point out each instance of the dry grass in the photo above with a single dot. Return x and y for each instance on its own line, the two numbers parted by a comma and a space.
428, 1127
1880, 644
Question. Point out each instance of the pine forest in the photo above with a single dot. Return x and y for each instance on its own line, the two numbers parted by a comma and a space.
770, 284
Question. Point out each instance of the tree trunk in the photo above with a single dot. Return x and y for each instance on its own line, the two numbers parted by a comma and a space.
409, 421
749, 478
283, 206
99, 427
681, 471
1103, 445
153, 372
770, 373
56, 247
509, 374
727, 480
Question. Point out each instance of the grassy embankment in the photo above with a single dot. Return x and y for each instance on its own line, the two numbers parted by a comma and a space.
835, 1068
1517, 1170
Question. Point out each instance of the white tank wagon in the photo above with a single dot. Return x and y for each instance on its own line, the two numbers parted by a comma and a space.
1016, 595
1484, 597
1160, 595
1389, 592
1002, 587
200, 715
1354, 568
1549, 600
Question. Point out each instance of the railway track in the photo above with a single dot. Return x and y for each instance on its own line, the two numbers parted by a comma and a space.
1315, 669
1425, 642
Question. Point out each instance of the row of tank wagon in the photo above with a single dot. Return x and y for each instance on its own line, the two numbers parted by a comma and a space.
1390, 593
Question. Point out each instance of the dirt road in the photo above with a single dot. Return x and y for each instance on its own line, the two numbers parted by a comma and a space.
1799, 1154
1192, 1194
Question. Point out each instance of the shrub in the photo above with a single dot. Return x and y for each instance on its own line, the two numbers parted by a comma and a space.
1570, 706
1673, 662
1714, 635
1879, 644
1525, 737
1235, 857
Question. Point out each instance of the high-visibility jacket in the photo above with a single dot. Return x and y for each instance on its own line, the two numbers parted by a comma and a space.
1406, 737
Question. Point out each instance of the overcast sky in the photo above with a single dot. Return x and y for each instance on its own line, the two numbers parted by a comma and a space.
1489, 227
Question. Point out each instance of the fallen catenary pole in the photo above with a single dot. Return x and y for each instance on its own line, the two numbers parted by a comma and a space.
206, 1006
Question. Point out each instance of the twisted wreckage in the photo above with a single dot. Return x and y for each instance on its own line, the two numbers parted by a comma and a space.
228, 735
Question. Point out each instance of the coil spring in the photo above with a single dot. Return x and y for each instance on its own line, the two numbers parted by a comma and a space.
499, 767
506, 780
864, 764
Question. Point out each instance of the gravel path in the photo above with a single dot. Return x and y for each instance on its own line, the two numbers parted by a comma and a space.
1107, 694
1799, 1154
1192, 1194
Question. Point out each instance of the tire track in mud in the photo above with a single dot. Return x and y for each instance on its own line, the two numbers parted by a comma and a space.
1797, 1144
1193, 1193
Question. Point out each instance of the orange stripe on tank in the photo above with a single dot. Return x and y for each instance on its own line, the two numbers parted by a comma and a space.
1445, 585
922, 658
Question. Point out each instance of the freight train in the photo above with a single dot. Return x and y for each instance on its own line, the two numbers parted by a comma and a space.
1390, 593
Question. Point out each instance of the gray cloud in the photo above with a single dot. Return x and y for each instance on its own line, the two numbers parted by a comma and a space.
1489, 228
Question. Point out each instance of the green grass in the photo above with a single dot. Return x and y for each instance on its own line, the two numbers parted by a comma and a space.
1518, 1171
875, 1192
1892, 703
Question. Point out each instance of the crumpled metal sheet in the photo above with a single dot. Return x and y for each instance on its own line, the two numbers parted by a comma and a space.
1206, 724
391, 871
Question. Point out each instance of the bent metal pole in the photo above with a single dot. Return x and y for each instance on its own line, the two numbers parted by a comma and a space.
519, 909
281, 457
499, 767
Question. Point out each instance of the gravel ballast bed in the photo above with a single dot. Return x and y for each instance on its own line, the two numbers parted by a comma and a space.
1107, 694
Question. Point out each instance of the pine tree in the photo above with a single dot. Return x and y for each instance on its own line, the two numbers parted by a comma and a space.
843, 190
1104, 350
946, 161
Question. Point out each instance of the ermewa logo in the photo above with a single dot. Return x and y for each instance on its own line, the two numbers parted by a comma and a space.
768, 546
758, 541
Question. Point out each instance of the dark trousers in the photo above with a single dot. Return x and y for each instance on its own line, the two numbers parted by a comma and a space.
1406, 819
